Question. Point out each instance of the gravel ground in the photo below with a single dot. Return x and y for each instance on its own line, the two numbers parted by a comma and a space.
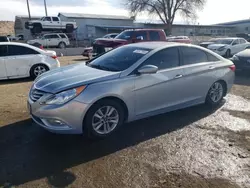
191, 148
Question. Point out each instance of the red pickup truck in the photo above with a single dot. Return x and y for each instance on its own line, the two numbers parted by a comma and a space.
102, 45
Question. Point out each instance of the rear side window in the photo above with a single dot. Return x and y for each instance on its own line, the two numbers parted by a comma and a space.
51, 36
154, 35
193, 55
63, 36
142, 34
20, 50
55, 19
212, 57
3, 50
164, 59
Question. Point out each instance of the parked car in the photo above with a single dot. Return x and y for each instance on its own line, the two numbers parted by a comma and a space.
59, 40
4, 39
13, 38
48, 23
207, 43
126, 37
180, 39
229, 46
18, 60
242, 60
128, 83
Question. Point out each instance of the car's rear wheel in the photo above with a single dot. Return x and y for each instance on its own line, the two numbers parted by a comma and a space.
37, 29
69, 28
62, 45
37, 70
103, 119
216, 93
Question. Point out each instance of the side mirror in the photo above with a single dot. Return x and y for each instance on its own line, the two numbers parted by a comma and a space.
148, 69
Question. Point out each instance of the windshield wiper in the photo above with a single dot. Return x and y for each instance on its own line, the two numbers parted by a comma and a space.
101, 67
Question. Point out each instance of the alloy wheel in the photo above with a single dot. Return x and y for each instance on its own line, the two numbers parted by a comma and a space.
216, 92
105, 120
39, 70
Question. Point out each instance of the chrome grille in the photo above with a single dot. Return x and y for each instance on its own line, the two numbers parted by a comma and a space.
36, 94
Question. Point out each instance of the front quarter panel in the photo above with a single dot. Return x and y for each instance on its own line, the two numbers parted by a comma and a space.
122, 88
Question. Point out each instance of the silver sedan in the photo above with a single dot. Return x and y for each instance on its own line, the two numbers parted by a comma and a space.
126, 84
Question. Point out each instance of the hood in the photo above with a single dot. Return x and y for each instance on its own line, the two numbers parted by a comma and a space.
71, 76
110, 42
216, 46
244, 54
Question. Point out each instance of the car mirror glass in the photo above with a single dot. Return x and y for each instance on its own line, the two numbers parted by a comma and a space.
148, 69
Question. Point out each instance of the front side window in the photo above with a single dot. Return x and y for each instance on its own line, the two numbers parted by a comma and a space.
164, 59
192, 55
14, 50
125, 35
243, 41
3, 50
236, 42
119, 59
47, 19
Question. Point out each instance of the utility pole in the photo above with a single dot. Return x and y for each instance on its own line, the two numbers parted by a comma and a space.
28, 6
45, 6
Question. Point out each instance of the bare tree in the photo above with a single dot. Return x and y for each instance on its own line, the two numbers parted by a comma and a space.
166, 10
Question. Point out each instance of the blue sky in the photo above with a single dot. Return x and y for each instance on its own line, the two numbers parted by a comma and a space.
215, 11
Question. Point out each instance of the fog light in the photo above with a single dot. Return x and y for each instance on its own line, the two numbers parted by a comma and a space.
54, 123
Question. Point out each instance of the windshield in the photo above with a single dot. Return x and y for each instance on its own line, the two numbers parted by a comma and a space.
126, 35
224, 41
119, 59
41, 18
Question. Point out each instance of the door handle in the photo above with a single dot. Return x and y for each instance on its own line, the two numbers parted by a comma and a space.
211, 67
178, 76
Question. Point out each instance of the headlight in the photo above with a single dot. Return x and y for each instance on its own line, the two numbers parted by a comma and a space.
65, 96
221, 48
235, 58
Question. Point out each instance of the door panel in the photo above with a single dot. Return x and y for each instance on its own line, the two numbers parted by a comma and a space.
158, 91
18, 65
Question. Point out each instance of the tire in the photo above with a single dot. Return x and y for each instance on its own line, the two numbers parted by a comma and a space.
62, 45
69, 28
37, 29
92, 118
228, 53
216, 93
34, 71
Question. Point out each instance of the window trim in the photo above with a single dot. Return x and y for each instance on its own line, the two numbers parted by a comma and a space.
182, 61
134, 72
37, 53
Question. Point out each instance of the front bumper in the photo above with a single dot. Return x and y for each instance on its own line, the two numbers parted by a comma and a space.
71, 116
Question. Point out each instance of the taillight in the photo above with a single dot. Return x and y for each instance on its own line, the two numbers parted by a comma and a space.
233, 68
41, 47
54, 57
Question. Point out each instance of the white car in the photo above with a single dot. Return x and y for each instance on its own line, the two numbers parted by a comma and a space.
229, 46
18, 60
52, 40
48, 23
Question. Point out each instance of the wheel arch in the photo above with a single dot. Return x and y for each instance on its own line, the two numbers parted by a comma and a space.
115, 98
34, 65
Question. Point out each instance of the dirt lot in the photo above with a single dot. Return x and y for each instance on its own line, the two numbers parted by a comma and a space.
190, 148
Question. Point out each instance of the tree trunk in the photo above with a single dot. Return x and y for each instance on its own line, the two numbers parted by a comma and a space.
168, 29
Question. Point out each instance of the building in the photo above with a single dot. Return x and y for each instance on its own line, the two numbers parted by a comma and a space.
94, 26
19, 26
241, 26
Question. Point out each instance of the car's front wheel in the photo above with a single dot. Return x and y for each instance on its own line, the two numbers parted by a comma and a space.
103, 119
216, 93
228, 53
